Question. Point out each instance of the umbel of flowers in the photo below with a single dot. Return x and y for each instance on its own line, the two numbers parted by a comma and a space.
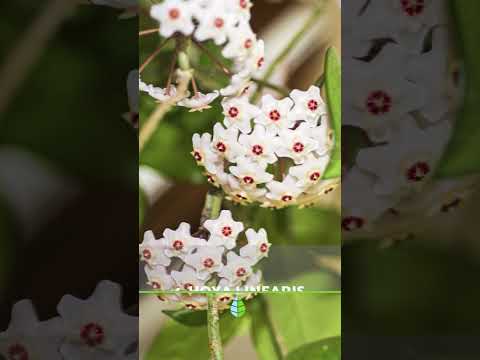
274, 154
223, 22
180, 262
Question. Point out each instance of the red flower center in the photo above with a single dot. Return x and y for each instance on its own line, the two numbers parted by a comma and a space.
233, 112
248, 180
211, 179
298, 147
147, 254
197, 156
248, 43
315, 176
227, 231
413, 7
188, 286
418, 171
264, 248
225, 299
178, 245
379, 102
243, 4
17, 352
174, 13
287, 198
191, 306
92, 334
260, 62
221, 147
219, 22
351, 223
155, 285
257, 149
313, 105
241, 272
208, 263
274, 115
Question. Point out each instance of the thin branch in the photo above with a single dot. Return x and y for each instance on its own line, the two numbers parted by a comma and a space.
279, 89
148, 32
30, 47
213, 58
153, 56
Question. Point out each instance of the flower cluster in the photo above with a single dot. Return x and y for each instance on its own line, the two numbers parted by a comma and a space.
402, 96
223, 22
95, 328
274, 154
180, 261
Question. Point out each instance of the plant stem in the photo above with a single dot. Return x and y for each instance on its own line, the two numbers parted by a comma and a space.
290, 46
148, 32
212, 57
213, 323
280, 89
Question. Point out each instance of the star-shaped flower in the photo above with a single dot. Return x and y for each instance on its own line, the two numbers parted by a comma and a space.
309, 105
275, 114
179, 242
259, 145
223, 230
188, 278
225, 142
296, 144
238, 113
173, 16
152, 251
249, 173
199, 101
206, 260
257, 247
236, 270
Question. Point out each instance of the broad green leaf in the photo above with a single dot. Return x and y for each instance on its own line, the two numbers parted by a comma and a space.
328, 349
261, 330
188, 317
179, 342
461, 156
333, 86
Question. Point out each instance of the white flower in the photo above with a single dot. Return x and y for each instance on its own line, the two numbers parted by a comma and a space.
241, 7
284, 192
310, 172
28, 338
173, 16
258, 245
240, 194
152, 251
309, 105
239, 84
97, 328
408, 161
259, 145
224, 230
249, 173
214, 23
159, 94
158, 278
296, 144
380, 99
239, 113
225, 142
275, 114
242, 40
179, 242
188, 278
203, 153
199, 101
206, 260
256, 59
236, 270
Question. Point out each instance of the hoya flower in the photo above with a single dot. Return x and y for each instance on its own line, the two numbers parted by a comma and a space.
215, 25
173, 16
159, 94
214, 261
224, 230
152, 251
241, 43
258, 245
179, 242
296, 144
203, 153
199, 101
27, 338
309, 105
275, 114
238, 113
97, 327
259, 159
239, 85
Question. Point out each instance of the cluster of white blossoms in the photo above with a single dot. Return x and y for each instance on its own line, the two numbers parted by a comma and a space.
224, 22
274, 154
402, 95
181, 262
95, 328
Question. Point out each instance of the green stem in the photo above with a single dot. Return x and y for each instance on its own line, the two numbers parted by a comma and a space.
290, 46
214, 338
279, 89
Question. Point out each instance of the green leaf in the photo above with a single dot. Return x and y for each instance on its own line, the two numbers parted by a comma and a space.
179, 342
188, 317
328, 349
333, 86
262, 332
461, 156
